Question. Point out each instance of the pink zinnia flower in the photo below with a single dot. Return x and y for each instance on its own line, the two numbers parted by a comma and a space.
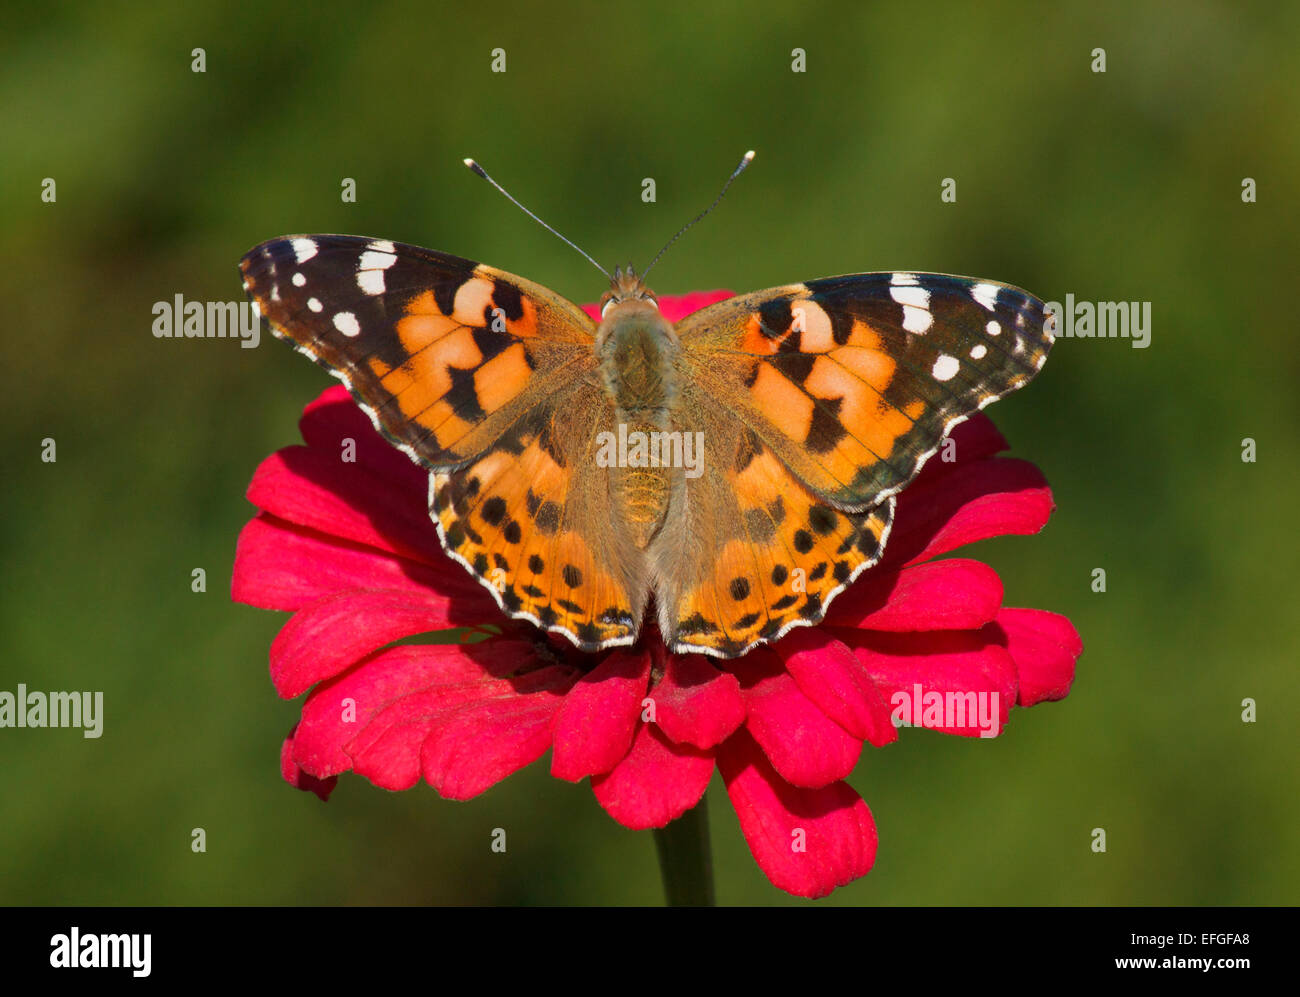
350, 550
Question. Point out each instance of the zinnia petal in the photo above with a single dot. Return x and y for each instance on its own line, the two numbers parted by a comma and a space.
655, 782
316, 490
282, 566
807, 841
972, 440
334, 419
803, 744
1044, 646
974, 501
326, 637
697, 704
475, 748
462, 736
954, 594
961, 662
295, 776
594, 728
827, 672
338, 710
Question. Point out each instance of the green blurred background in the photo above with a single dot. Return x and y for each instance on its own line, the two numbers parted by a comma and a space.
1117, 186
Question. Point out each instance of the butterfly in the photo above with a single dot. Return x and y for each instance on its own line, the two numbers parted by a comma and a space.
736, 469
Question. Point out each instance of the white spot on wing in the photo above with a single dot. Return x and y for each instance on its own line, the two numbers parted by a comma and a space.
382, 246
945, 367
903, 280
314, 304
372, 259
370, 271
303, 249
299, 280
916, 320
993, 329
911, 295
977, 352
986, 295
346, 323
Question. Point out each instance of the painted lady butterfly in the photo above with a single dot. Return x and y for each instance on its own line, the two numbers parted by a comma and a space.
812, 405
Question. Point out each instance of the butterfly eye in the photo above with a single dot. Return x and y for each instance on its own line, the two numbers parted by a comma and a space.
608, 305
653, 301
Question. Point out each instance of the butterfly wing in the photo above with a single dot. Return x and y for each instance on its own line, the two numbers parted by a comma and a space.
532, 519
444, 354
818, 403
490, 381
854, 381
746, 552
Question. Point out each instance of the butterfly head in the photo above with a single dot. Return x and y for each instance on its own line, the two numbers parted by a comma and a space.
626, 287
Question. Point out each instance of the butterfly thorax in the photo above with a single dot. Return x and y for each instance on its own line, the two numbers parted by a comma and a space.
636, 346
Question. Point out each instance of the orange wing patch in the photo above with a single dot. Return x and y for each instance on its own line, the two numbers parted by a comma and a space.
793, 555
827, 398
454, 376
467, 357
520, 519
814, 389
747, 552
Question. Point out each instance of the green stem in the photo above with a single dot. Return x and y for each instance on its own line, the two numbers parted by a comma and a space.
685, 860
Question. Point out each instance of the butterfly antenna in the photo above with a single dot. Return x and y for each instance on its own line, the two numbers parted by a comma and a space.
744, 161
483, 173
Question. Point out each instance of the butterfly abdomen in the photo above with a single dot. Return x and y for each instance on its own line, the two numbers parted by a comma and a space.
636, 347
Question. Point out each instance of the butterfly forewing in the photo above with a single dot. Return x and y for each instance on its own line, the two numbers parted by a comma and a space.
854, 381
444, 353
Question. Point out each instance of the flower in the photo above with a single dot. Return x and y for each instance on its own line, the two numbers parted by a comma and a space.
350, 550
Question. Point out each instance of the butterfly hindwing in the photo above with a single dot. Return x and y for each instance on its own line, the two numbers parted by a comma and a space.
445, 354
746, 552
854, 381
521, 517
